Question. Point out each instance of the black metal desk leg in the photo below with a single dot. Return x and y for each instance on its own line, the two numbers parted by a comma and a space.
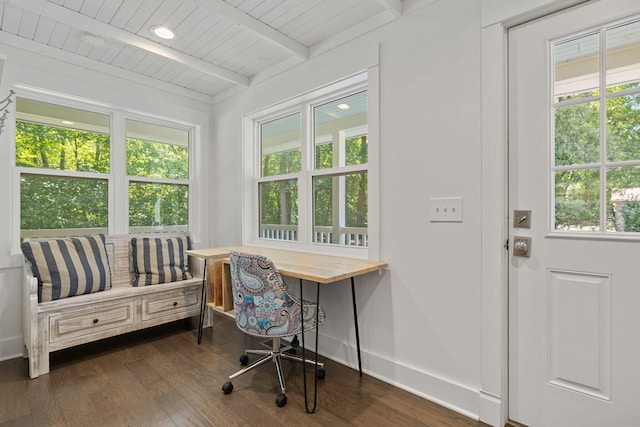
355, 321
203, 301
304, 356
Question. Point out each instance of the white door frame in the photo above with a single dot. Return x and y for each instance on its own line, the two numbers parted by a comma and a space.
494, 386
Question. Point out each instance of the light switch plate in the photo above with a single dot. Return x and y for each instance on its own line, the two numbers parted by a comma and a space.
446, 209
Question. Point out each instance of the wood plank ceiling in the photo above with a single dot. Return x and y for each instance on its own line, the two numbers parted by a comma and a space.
219, 44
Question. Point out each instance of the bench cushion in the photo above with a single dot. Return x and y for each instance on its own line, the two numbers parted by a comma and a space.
69, 266
160, 260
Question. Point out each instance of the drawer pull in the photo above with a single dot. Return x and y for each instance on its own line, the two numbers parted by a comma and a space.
175, 303
95, 321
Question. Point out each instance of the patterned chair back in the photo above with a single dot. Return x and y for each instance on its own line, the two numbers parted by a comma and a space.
263, 304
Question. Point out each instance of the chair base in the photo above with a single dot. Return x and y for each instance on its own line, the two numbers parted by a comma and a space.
276, 354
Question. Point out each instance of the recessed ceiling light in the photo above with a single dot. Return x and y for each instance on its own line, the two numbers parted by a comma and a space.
343, 106
93, 39
163, 32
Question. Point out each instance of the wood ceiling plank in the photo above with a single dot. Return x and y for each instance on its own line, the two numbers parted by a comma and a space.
91, 7
44, 30
28, 25
107, 10
11, 18
124, 13
59, 35
86, 23
139, 18
255, 26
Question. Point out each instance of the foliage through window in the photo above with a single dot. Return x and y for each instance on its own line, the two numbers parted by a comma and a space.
316, 156
596, 167
65, 161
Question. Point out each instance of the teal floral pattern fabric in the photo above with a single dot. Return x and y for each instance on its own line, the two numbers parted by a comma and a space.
263, 305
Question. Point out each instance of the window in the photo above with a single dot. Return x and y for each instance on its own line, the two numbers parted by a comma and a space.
71, 172
311, 172
596, 110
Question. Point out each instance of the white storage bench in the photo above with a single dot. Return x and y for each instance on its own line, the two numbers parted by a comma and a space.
50, 325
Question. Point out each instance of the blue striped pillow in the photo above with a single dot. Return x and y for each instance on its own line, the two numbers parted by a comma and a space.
160, 260
68, 267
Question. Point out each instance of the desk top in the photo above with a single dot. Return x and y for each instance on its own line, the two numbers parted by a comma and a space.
301, 265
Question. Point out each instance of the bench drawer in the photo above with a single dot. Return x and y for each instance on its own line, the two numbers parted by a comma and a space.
89, 322
171, 303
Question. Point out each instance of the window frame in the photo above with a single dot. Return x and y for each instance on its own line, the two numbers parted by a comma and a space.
365, 81
117, 178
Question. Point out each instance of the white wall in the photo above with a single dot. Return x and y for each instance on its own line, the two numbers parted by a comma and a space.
420, 321
23, 68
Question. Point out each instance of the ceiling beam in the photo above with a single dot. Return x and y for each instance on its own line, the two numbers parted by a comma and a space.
85, 23
270, 34
393, 6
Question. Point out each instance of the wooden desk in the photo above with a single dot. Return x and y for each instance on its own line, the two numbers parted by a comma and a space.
318, 268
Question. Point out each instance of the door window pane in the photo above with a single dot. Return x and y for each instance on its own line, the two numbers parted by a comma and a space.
623, 128
623, 199
340, 132
577, 200
279, 209
280, 146
577, 134
576, 68
340, 209
155, 206
72, 206
623, 57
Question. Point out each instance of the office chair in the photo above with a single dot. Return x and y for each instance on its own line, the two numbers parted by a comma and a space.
264, 307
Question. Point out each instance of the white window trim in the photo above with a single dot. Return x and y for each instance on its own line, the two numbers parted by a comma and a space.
369, 81
118, 179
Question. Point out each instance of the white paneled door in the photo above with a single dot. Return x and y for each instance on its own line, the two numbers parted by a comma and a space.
574, 203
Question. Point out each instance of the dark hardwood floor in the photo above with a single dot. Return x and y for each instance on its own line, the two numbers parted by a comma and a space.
161, 377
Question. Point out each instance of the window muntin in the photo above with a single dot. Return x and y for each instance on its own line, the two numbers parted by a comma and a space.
88, 170
596, 115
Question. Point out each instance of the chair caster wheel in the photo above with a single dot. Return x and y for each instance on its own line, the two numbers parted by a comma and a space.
281, 400
227, 387
321, 374
244, 360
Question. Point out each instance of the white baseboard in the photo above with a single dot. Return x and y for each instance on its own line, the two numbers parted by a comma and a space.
450, 394
11, 348
491, 409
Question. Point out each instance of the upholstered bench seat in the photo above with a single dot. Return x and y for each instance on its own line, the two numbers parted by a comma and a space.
68, 300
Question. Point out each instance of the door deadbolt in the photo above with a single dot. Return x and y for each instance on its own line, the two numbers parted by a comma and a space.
521, 246
521, 219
